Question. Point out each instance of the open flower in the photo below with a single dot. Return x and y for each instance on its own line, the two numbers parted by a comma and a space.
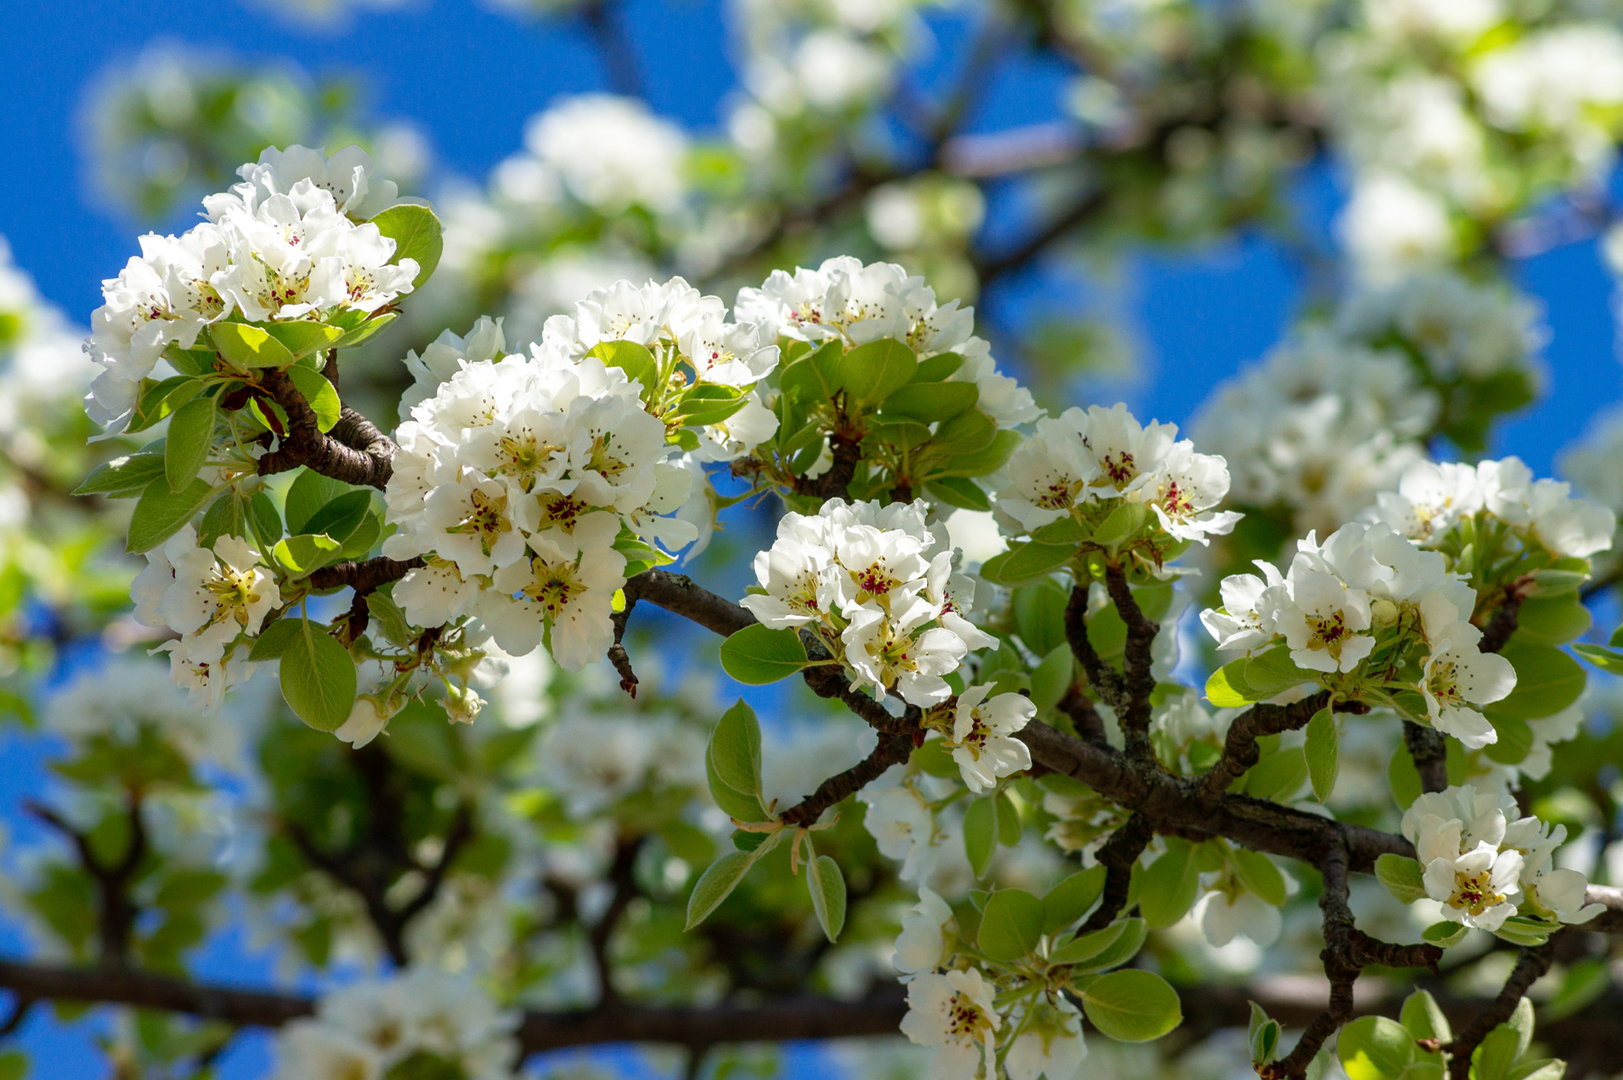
1456, 676
1051, 1043
922, 943
1321, 618
954, 1014
982, 736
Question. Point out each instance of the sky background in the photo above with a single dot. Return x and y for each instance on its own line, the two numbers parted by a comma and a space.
468, 76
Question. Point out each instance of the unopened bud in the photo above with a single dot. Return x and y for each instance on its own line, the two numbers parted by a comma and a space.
1383, 612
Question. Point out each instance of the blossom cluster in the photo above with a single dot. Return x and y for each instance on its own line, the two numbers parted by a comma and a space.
1484, 861
1358, 605
515, 481
1078, 462
213, 597
278, 246
845, 300
877, 587
1433, 498
954, 1010
421, 1022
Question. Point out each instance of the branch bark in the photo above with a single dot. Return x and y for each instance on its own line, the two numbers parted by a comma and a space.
354, 451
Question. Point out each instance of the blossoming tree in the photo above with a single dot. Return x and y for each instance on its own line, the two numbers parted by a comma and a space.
410, 659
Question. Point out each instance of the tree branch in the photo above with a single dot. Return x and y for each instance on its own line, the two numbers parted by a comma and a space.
1117, 855
892, 749
1531, 964
1240, 747
622, 875
117, 912
1138, 680
1101, 676
1429, 749
354, 451
364, 576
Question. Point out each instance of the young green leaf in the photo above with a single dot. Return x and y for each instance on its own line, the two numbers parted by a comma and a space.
274, 639
341, 516
191, 434
1122, 523
319, 392
160, 513
1445, 933
318, 679
930, 401
122, 475
1123, 949
1424, 1018
871, 373
1011, 925
827, 887
309, 492
1323, 750
721, 877
1547, 681
416, 234
1402, 877
1132, 1005
1375, 1048
1227, 688
1263, 1034
633, 359
1053, 678
248, 347
980, 834
734, 803
1089, 946
306, 553
757, 654
1025, 562
303, 338
1171, 885
388, 617
735, 749
1071, 899
1259, 874
960, 492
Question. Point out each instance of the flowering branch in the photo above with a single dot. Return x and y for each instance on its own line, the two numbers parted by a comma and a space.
354, 451
1531, 964
1240, 747
892, 749
1118, 856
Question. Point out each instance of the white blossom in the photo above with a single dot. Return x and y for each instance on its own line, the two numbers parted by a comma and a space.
1051, 1044
922, 943
954, 1014
982, 736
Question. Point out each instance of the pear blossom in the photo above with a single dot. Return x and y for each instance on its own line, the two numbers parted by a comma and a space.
903, 826
1473, 886
349, 176
1049, 474
1458, 675
1226, 914
897, 649
209, 596
954, 1013
982, 736
1050, 1044
1237, 624
922, 943
570, 594
1320, 617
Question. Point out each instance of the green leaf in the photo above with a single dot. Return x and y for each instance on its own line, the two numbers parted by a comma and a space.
160, 513
1008, 821
633, 359
319, 392
827, 887
1496, 1055
388, 617
1263, 1035
1171, 884
1444, 933
161, 399
980, 834
1278, 776
1605, 658
1375, 1048
1089, 946
1123, 949
416, 235
1053, 678
226, 516
735, 748
1227, 688
364, 331
1514, 744
757, 654
1547, 681
1132, 1005
1424, 1018
812, 377
989, 458
931, 401
1521, 1024
265, 517
1552, 620
302, 338
1402, 877
1071, 899
1258, 874
937, 367
247, 347
970, 432
341, 516
1521, 930
717, 882
721, 877
1323, 751
273, 641
871, 373
308, 493
1122, 523
122, 475
191, 434
960, 492
1403, 777
1025, 562
318, 679
735, 804
1011, 925
1268, 673
306, 553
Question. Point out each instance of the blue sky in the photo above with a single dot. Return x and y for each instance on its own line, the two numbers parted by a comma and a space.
469, 76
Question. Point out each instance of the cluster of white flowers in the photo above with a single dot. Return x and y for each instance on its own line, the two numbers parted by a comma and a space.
1478, 853
843, 300
1077, 461
1367, 586
1433, 498
42, 361
278, 246
876, 584
211, 597
120, 697
1565, 83
1320, 427
954, 1010
1459, 328
608, 153
515, 480
368, 1030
